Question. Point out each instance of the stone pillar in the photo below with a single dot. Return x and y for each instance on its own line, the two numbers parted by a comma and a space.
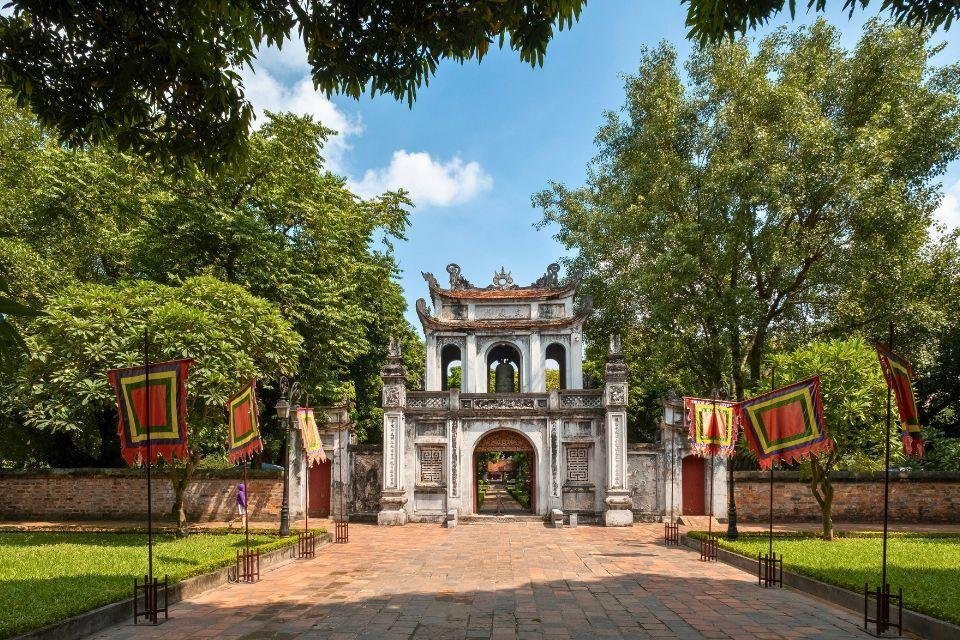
538, 377
433, 375
393, 496
468, 367
298, 475
618, 503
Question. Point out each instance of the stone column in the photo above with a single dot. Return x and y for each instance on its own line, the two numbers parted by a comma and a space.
393, 497
433, 377
617, 512
538, 378
468, 367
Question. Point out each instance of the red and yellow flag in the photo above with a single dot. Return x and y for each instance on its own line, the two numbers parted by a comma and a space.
785, 424
713, 426
899, 376
312, 444
167, 422
243, 433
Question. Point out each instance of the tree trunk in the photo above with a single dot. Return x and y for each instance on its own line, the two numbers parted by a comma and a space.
180, 477
822, 488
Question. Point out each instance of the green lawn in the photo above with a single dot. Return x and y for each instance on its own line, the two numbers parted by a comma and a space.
46, 577
927, 566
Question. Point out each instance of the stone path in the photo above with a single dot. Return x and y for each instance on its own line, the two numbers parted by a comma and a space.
508, 504
501, 582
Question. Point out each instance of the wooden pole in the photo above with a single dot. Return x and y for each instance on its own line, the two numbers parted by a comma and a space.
146, 386
886, 475
246, 512
773, 385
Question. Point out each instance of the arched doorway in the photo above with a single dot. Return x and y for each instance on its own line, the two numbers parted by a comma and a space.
555, 367
505, 474
504, 354
451, 367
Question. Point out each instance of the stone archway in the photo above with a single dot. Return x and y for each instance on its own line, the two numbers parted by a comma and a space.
506, 441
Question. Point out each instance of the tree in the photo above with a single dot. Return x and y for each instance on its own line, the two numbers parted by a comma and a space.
776, 197
854, 408
90, 328
713, 20
276, 222
161, 79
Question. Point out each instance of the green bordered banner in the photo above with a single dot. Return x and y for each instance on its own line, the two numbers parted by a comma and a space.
243, 424
898, 372
312, 444
713, 426
785, 424
167, 399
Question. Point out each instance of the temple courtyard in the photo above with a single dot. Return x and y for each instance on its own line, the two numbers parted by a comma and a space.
501, 581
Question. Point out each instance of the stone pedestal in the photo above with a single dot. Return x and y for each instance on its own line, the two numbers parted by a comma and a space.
617, 512
391, 508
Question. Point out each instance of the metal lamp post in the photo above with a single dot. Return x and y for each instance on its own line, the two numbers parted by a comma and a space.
289, 394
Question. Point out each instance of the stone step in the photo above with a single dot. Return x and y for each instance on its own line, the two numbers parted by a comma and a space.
501, 519
702, 523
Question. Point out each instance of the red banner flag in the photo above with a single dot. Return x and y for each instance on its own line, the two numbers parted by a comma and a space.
168, 410
785, 424
243, 433
713, 426
898, 373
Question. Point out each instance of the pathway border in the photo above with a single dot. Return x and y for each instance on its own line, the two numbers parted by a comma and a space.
90, 622
921, 624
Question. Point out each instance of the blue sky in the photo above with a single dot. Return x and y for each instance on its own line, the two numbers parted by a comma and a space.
482, 138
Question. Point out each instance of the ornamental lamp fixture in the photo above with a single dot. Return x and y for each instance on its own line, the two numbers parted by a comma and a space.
672, 409
282, 408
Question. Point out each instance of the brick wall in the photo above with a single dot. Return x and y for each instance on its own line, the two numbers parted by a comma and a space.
917, 497
121, 493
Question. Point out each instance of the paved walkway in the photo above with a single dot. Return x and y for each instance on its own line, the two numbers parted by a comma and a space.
501, 581
508, 504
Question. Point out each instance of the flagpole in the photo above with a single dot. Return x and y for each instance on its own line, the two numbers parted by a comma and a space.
246, 512
146, 387
773, 385
886, 474
710, 520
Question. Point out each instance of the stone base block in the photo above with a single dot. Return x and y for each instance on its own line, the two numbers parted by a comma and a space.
392, 518
618, 518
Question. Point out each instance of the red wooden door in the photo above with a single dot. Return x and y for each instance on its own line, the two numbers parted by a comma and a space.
692, 478
319, 505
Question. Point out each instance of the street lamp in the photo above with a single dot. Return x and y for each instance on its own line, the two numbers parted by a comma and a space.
289, 395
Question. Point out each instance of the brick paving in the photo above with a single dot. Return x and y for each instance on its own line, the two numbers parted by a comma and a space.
501, 581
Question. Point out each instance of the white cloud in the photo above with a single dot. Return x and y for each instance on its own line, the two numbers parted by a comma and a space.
266, 93
948, 213
280, 82
429, 181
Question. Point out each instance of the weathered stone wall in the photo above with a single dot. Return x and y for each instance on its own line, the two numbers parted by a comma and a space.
643, 480
915, 498
366, 477
122, 493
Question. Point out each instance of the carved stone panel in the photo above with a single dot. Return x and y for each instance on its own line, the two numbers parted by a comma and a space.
503, 440
552, 310
434, 428
502, 311
431, 465
578, 464
577, 429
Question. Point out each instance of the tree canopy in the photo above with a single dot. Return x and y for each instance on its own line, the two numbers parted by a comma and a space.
716, 20
276, 224
161, 78
767, 199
